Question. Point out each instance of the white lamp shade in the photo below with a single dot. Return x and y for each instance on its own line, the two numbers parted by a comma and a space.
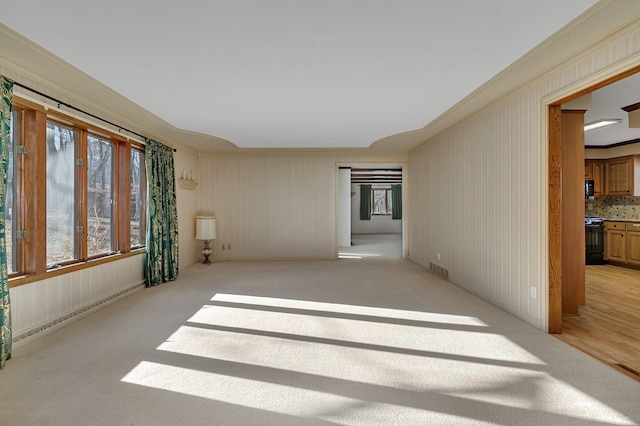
205, 228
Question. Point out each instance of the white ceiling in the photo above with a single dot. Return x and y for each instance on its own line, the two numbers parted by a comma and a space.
608, 103
292, 73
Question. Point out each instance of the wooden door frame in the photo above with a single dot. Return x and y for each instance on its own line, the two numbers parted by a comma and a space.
554, 170
555, 219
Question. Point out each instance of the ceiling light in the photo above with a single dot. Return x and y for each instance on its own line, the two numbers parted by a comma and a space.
601, 123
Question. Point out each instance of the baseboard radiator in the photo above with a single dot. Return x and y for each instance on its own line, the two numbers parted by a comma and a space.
75, 314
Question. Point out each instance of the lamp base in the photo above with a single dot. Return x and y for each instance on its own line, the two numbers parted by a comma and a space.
206, 252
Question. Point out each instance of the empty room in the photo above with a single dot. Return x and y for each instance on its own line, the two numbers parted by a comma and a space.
319, 212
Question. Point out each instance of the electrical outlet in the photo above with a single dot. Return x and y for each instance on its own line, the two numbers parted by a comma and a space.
534, 292
439, 257
589, 206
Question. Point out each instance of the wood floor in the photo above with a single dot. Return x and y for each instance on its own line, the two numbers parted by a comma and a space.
608, 327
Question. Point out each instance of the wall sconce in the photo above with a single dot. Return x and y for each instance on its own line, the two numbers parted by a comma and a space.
206, 230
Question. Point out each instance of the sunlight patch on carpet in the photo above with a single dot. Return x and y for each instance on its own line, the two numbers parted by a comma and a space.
435, 317
349, 255
269, 397
377, 364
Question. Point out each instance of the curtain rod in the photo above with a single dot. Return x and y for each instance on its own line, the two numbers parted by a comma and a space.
59, 102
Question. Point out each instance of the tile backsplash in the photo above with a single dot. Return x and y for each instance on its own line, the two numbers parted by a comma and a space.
614, 208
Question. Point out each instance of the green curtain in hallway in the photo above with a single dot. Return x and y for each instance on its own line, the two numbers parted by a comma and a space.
396, 201
365, 202
162, 216
6, 86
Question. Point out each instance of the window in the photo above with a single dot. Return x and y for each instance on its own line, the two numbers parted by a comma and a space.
9, 212
381, 201
74, 193
61, 191
138, 197
99, 196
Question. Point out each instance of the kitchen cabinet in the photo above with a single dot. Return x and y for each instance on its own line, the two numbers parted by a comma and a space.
615, 241
622, 176
594, 170
633, 244
622, 242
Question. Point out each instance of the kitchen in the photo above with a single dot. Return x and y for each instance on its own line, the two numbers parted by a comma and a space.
612, 174
612, 210
606, 325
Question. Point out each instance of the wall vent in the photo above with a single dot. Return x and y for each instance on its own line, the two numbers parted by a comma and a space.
439, 270
80, 311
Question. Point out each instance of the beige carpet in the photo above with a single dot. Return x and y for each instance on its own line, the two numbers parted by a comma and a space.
373, 247
363, 340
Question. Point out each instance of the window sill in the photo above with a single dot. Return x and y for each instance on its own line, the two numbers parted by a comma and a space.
26, 279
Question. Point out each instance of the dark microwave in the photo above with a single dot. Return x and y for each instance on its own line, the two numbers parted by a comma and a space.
588, 189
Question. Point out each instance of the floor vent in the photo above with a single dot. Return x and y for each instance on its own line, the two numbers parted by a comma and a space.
57, 321
629, 369
439, 270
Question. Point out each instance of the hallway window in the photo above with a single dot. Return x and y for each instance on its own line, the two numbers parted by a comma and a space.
381, 204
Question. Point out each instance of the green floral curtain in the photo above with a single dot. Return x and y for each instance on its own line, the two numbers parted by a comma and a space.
396, 201
6, 88
365, 202
162, 216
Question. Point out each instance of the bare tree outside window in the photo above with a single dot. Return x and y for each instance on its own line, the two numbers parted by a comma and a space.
381, 201
87, 199
9, 223
99, 196
61, 202
138, 185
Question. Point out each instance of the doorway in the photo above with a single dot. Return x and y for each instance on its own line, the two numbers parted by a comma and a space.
371, 211
560, 230
597, 327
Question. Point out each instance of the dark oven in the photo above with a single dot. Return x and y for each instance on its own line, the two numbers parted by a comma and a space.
594, 239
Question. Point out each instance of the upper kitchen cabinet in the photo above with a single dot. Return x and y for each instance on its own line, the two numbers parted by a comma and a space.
594, 170
622, 176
